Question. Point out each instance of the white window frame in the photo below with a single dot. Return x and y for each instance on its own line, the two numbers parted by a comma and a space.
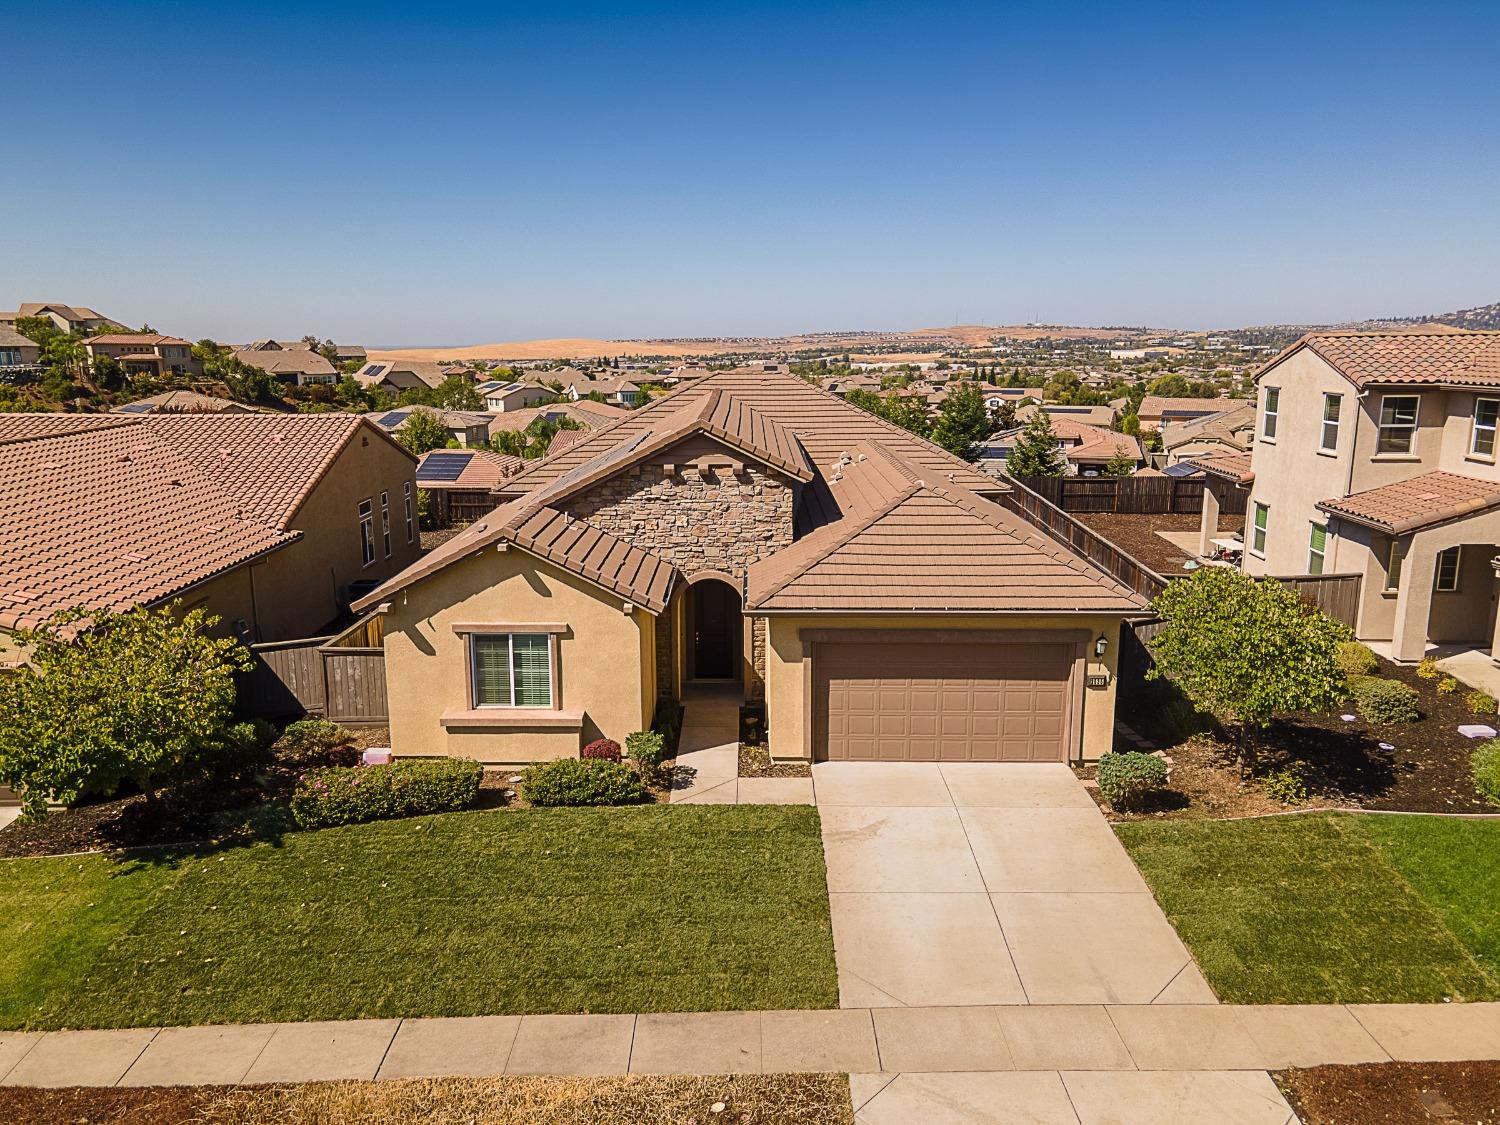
385, 522
1450, 556
1260, 528
411, 522
1313, 553
510, 665
1477, 428
1395, 558
1382, 427
1328, 436
1270, 413
366, 532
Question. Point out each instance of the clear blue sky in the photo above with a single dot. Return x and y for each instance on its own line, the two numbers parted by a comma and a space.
448, 173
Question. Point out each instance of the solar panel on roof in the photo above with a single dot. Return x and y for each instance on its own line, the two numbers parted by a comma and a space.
135, 408
443, 466
394, 418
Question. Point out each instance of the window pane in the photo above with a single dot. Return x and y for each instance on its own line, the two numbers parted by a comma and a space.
1331, 407
533, 670
491, 671
1319, 538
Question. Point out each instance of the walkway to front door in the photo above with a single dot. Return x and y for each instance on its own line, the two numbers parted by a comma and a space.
708, 755
988, 883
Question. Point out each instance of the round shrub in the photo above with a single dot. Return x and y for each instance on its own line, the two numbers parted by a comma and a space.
605, 749
411, 787
318, 742
648, 750
1356, 659
1428, 669
1127, 778
1385, 701
1447, 686
1480, 703
576, 782
1487, 771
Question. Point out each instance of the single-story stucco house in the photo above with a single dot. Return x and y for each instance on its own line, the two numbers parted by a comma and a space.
754, 530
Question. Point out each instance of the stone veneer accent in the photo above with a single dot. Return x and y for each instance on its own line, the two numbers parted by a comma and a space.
698, 519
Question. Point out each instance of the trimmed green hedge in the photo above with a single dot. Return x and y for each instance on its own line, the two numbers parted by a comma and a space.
1125, 778
578, 782
413, 787
1384, 701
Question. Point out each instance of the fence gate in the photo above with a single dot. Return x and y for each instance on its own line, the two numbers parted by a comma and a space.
341, 678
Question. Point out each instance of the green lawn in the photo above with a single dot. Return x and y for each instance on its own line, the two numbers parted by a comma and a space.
1331, 908
543, 910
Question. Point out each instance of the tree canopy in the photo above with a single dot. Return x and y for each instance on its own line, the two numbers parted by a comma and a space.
1035, 453
1122, 464
1246, 650
112, 697
423, 431
963, 421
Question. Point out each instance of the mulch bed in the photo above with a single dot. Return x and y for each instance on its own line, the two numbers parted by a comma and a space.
224, 812
769, 1099
755, 761
1136, 535
1394, 1093
1343, 765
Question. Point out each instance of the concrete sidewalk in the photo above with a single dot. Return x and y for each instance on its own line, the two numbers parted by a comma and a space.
863, 1041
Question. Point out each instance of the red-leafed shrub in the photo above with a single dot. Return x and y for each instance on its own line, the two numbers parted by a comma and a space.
605, 748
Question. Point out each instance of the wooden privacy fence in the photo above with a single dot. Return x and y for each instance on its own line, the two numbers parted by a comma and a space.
1132, 495
340, 677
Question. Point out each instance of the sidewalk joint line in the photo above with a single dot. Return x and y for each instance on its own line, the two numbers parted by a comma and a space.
155, 1031
400, 1023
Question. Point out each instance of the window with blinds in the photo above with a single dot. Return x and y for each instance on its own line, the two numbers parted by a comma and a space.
511, 669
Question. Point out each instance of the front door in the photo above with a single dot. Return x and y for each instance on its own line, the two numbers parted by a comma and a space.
716, 630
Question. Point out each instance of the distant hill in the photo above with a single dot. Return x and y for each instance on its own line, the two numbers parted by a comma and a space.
1481, 316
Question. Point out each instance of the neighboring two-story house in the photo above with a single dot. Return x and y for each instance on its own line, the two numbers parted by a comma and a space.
1375, 454
141, 353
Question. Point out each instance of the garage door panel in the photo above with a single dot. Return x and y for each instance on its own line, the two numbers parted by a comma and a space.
942, 702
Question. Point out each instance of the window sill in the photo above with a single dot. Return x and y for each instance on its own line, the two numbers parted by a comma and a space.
1326, 452
1479, 459
1395, 457
514, 718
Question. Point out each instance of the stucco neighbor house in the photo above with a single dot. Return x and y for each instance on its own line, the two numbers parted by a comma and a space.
755, 532
1375, 455
271, 521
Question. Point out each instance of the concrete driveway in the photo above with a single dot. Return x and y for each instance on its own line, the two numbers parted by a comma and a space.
988, 884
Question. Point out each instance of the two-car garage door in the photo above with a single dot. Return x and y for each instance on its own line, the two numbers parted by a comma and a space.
959, 701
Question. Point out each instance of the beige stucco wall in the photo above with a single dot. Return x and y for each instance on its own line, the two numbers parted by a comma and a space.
1291, 475
605, 658
302, 587
785, 711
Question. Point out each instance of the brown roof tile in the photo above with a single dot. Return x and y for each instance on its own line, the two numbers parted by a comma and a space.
269, 462
1457, 358
1233, 467
1416, 502
111, 516
907, 546
479, 469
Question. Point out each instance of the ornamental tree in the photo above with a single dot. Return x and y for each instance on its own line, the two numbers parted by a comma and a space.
963, 421
1246, 650
423, 431
112, 697
1122, 464
1035, 453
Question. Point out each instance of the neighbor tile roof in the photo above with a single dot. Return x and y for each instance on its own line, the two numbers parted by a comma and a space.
1233, 467
269, 462
285, 361
1416, 502
10, 338
465, 469
905, 545
1158, 406
14, 426
150, 338
1220, 427
1434, 358
110, 516
184, 402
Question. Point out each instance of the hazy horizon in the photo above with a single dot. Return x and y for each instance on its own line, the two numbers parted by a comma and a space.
411, 176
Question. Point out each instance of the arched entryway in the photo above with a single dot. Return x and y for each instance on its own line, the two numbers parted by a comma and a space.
715, 631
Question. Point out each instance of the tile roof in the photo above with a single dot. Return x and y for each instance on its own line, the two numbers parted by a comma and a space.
1077, 441
564, 438
908, 546
150, 338
826, 426
465, 469
1456, 357
1416, 502
578, 547
1233, 467
1223, 427
1157, 406
111, 515
269, 462
185, 402
24, 426
10, 338
285, 361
